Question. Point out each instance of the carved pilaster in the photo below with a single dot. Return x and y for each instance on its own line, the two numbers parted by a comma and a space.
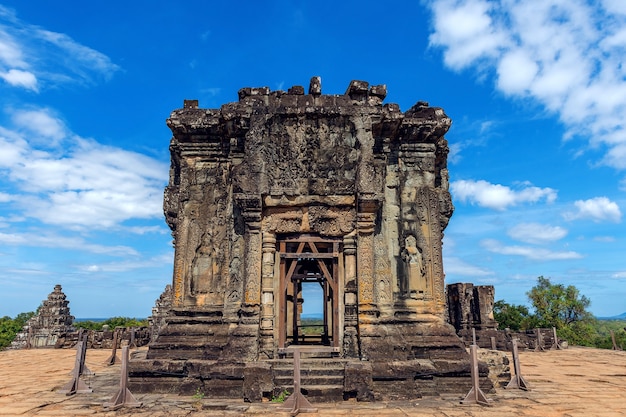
251, 212
366, 221
267, 294
179, 265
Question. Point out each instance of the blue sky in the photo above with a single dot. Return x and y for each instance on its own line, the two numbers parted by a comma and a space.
536, 91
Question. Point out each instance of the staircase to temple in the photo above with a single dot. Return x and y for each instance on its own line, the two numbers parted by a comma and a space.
321, 379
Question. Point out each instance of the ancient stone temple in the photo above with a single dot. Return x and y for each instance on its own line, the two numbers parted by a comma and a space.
281, 192
53, 320
470, 311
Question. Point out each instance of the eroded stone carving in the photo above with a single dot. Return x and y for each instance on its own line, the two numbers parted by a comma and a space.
283, 190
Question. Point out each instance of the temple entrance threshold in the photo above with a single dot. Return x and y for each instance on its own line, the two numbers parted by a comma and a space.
307, 261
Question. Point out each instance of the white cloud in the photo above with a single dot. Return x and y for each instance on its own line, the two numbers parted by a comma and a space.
31, 56
598, 209
536, 233
537, 254
63, 242
129, 265
80, 183
469, 27
457, 266
566, 55
39, 122
499, 197
19, 78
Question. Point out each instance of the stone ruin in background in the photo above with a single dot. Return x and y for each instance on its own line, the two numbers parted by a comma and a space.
52, 322
283, 192
470, 311
160, 311
52, 327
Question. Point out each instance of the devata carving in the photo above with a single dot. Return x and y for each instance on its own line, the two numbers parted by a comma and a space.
283, 193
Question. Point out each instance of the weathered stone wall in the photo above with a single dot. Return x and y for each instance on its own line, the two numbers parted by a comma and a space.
103, 339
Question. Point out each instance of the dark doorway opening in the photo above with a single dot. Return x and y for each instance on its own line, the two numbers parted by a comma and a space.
308, 277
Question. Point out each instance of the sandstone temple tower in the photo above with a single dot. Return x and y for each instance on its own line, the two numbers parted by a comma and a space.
284, 190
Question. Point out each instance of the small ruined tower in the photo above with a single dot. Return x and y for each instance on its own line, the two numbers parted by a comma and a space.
283, 193
51, 321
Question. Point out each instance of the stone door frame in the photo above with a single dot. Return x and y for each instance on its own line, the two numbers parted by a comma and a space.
289, 261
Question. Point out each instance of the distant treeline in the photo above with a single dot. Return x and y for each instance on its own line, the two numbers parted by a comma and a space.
112, 322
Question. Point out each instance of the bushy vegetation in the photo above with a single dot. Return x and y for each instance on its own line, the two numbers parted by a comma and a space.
113, 322
9, 327
564, 308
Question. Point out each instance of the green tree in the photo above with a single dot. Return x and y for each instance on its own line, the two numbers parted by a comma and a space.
9, 327
511, 316
565, 309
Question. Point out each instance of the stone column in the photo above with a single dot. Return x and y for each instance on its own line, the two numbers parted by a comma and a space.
267, 294
350, 332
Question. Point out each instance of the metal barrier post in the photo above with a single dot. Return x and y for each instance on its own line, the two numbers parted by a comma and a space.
555, 343
539, 340
615, 347
517, 380
113, 358
123, 397
475, 395
297, 402
76, 385
133, 342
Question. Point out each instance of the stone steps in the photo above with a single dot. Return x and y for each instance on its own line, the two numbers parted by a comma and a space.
321, 379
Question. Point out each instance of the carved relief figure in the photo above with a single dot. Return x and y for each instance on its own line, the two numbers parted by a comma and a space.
206, 269
415, 270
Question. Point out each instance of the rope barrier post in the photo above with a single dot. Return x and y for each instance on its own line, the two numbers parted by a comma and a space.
297, 402
473, 336
517, 380
475, 395
76, 385
113, 358
494, 346
123, 397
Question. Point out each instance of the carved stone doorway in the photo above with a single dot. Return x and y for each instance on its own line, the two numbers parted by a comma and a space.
308, 260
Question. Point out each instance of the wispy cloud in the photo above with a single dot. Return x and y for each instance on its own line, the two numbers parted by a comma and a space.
536, 233
598, 209
457, 266
31, 56
566, 55
56, 241
128, 265
499, 197
530, 252
72, 181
